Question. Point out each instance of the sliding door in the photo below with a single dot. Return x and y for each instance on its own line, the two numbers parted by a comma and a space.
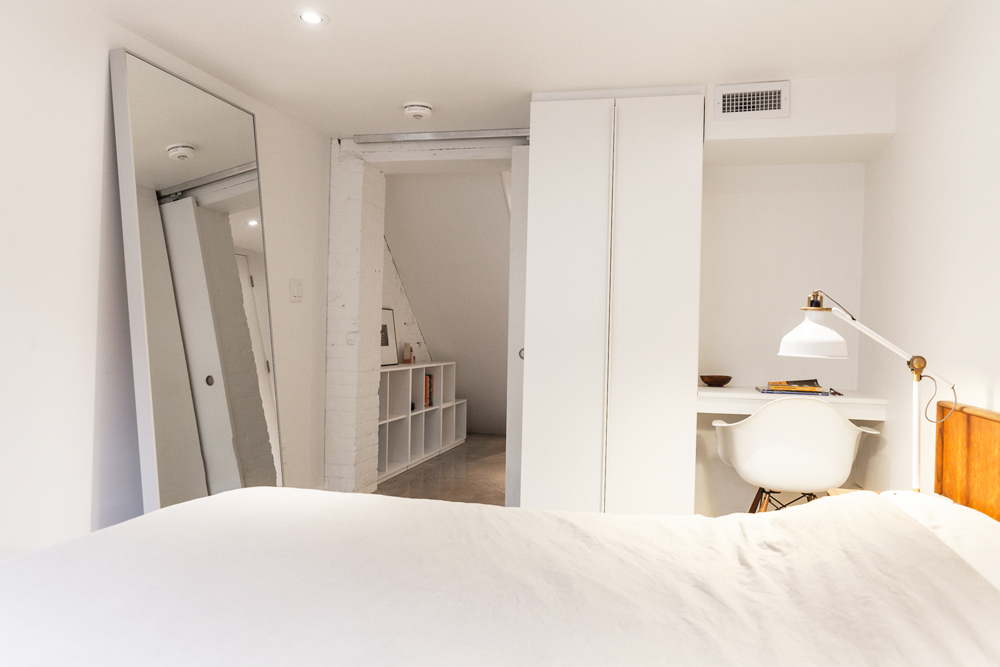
656, 259
566, 304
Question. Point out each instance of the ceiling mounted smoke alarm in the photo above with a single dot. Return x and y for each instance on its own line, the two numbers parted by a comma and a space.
418, 111
180, 151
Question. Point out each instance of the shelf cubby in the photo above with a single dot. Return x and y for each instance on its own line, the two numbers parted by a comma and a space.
432, 430
448, 424
417, 388
383, 448
460, 420
398, 445
416, 436
399, 394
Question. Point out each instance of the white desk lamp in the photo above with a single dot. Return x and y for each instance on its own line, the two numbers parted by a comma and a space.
813, 339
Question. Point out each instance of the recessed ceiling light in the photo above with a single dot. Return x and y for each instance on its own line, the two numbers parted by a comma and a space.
313, 17
253, 223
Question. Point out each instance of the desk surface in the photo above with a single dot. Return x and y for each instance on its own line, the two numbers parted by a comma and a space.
747, 400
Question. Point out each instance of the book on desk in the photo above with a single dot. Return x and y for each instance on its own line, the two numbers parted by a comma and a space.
795, 388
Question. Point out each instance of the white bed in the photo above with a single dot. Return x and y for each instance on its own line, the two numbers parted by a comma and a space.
294, 577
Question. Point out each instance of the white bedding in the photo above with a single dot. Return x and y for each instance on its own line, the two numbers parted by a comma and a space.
294, 577
973, 535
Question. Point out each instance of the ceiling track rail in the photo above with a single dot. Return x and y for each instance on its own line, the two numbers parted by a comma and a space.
521, 133
205, 180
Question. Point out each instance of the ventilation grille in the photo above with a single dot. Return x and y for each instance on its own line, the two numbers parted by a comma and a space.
752, 100
758, 100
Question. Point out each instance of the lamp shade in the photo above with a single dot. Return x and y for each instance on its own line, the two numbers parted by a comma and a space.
813, 339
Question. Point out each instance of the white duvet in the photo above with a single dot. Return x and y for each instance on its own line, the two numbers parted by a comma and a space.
295, 577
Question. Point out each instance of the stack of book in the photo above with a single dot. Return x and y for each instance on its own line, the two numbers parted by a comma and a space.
797, 387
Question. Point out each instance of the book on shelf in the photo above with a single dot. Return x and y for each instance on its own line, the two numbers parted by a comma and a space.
428, 390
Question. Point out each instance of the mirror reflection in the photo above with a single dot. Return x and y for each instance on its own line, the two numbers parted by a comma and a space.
205, 398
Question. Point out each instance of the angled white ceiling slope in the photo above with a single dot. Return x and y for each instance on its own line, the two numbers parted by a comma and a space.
477, 63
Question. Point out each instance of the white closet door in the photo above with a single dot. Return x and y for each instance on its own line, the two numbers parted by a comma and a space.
566, 304
652, 385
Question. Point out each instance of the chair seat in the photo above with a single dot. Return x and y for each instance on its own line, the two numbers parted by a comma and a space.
791, 468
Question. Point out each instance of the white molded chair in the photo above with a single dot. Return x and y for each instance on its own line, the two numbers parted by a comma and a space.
795, 444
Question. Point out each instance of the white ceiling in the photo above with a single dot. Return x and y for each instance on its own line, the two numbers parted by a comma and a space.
477, 63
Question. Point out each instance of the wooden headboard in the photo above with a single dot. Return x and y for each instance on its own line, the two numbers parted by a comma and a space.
967, 468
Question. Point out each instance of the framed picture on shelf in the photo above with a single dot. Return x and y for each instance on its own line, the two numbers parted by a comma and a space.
390, 354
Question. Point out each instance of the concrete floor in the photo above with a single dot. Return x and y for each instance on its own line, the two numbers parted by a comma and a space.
473, 472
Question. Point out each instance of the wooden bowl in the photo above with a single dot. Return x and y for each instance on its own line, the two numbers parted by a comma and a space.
716, 380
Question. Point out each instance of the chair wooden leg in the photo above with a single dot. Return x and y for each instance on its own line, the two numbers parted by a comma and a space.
766, 501
756, 501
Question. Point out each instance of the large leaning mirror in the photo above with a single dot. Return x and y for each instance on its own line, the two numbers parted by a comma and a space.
206, 407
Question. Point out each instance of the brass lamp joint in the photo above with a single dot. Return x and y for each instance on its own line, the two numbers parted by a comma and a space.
917, 365
814, 302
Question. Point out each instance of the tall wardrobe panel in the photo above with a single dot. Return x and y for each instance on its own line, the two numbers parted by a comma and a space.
653, 369
566, 304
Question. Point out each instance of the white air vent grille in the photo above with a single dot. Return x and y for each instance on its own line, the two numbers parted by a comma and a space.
752, 100
758, 100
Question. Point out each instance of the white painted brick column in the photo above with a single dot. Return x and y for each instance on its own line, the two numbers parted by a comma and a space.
354, 320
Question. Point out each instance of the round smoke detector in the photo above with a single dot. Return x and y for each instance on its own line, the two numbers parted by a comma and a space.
418, 111
180, 151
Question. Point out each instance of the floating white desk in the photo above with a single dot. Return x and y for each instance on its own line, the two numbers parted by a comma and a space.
747, 400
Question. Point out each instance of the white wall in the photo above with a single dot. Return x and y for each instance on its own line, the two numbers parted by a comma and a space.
931, 233
294, 188
770, 236
68, 442
450, 239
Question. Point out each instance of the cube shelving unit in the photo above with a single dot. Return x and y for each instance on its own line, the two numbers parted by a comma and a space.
419, 416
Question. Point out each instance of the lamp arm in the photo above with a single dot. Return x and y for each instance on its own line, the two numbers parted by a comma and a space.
868, 332
921, 371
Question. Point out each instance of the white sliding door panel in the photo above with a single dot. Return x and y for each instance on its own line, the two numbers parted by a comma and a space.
170, 456
652, 384
566, 304
515, 320
201, 346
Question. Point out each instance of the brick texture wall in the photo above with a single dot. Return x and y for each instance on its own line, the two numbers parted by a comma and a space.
357, 226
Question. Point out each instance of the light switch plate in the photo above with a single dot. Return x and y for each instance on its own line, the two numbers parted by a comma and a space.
295, 289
